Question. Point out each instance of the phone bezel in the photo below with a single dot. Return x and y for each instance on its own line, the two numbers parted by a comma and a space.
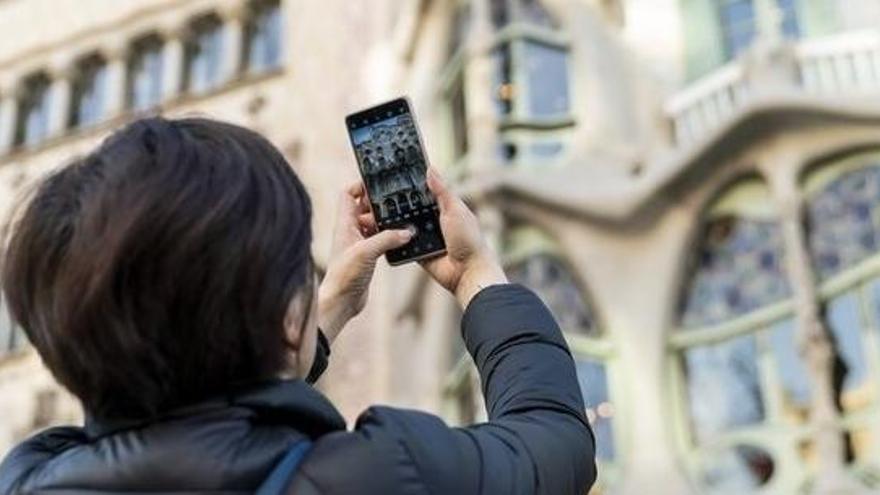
374, 114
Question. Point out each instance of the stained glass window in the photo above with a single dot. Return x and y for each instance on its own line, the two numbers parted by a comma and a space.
33, 114
89, 93
556, 286
844, 221
204, 53
145, 73
738, 269
263, 42
546, 68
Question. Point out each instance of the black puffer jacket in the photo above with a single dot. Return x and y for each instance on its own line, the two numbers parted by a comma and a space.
537, 440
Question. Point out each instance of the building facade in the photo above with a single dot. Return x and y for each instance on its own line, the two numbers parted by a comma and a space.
693, 186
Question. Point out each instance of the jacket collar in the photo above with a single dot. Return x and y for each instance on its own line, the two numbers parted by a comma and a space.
291, 402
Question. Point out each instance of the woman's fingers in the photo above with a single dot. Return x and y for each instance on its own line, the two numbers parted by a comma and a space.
375, 246
367, 223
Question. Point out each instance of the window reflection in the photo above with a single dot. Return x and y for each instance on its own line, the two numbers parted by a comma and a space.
593, 379
145, 74
724, 387
204, 56
547, 75
844, 320
739, 23
89, 93
264, 38
33, 114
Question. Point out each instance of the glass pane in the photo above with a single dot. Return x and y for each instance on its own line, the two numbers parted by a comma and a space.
593, 379
738, 25
738, 269
204, 57
844, 221
792, 369
556, 286
534, 12
724, 387
33, 116
844, 320
89, 94
741, 469
145, 75
790, 25
264, 40
547, 73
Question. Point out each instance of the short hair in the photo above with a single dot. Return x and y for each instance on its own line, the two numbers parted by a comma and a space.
158, 270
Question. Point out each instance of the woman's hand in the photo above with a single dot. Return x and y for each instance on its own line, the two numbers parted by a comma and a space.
469, 265
356, 248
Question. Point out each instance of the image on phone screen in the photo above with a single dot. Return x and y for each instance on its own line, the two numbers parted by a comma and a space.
393, 166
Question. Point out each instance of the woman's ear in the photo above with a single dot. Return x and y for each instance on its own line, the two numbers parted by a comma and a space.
301, 331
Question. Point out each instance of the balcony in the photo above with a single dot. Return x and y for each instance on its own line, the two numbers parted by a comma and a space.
835, 68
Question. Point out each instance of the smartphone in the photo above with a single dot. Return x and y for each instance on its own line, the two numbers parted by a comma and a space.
393, 165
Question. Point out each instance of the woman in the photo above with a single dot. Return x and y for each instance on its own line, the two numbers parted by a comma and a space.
166, 280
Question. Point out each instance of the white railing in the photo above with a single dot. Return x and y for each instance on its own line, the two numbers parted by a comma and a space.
843, 65
704, 104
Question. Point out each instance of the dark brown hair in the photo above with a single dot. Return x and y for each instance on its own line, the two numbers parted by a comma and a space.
158, 269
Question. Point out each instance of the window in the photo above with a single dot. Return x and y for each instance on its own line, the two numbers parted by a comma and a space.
745, 389
204, 56
263, 38
89, 92
843, 220
530, 86
145, 72
739, 23
33, 113
737, 349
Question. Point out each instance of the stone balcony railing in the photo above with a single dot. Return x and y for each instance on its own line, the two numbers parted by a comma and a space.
844, 65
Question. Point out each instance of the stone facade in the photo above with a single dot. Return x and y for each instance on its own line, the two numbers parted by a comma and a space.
704, 224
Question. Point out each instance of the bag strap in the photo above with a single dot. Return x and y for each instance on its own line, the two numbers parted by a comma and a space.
280, 477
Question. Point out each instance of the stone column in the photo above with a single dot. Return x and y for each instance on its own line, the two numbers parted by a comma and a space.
816, 348
117, 77
172, 60
482, 120
8, 115
233, 15
61, 73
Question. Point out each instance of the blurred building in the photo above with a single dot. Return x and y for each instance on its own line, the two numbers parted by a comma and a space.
692, 185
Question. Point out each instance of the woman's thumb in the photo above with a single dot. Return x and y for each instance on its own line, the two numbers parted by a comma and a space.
377, 245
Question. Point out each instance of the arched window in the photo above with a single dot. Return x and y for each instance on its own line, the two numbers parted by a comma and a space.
33, 113
204, 55
534, 261
740, 372
263, 37
145, 72
843, 225
89, 92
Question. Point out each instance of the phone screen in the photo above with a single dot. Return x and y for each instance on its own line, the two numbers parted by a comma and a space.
393, 165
